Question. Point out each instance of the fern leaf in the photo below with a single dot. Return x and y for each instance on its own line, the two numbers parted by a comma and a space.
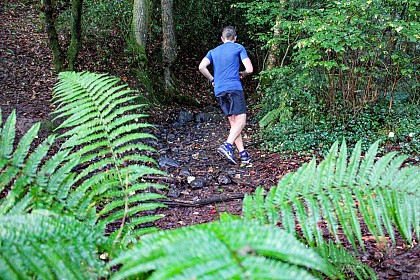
369, 211
366, 165
385, 204
7, 138
23, 174
346, 261
329, 215
353, 166
271, 117
375, 191
271, 208
102, 125
352, 216
341, 168
228, 250
134, 198
50, 247
24, 144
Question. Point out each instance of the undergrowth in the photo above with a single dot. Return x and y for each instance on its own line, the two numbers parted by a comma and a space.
396, 128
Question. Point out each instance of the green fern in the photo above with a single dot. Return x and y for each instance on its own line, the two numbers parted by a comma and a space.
233, 249
101, 124
31, 181
43, 245
270, 119
340, 195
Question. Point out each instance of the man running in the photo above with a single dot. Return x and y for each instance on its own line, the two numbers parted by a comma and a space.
228, 89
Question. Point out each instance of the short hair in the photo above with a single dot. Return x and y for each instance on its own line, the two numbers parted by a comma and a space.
229, 32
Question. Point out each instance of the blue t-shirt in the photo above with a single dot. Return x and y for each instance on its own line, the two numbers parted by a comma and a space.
226, 60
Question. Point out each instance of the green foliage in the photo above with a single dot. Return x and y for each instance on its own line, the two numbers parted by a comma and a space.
363, 48
32, 181
43, 245
338, 195
204, 25
308, 130
107, 26
233, 249
103, 128
261, 16
339, 60
289, 96
95, 181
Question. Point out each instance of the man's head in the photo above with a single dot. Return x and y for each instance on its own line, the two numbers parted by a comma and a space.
229, 34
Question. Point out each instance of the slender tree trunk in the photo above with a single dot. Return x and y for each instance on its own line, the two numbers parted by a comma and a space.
57, 52
273, 59
140, 15
168, 44
76, 33
139, 25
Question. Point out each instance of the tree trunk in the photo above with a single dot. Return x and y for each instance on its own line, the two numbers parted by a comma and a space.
273, 53
168, 44
140, 14
273, 59
57, 52
139, 25
76, 33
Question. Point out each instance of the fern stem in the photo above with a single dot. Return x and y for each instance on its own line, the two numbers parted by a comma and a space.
126, 208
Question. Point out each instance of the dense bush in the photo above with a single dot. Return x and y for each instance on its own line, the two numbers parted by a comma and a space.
303, 129
341, 67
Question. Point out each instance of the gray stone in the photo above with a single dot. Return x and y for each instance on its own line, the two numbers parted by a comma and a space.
164, 161
198, 184
184, 172
185, 117
224, 180
203, 117
174, 192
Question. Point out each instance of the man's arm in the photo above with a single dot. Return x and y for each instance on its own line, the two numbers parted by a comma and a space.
203, 69
248, 68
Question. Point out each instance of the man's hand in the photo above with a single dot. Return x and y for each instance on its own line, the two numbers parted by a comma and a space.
243, 74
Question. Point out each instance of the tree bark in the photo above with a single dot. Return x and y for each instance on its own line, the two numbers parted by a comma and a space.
273, 59
139, 26
76, 33
140, 15
169, 43
57, 52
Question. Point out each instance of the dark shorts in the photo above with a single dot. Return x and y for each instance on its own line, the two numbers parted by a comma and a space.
232, 102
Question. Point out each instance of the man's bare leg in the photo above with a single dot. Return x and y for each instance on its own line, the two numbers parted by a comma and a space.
237, 124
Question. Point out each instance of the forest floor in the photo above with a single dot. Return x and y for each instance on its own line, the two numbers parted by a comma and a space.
201, 184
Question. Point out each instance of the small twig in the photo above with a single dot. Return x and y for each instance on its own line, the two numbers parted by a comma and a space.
150, 177
201, 202
241, 182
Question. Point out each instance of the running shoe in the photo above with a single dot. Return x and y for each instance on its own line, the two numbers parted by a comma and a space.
245, 159
228, 153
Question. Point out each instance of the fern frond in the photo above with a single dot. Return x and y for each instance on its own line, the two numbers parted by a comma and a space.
8, 134
345, 261
25, 175
271, 117
233, 249
24, 145
106, 131
48, 246
374, 191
